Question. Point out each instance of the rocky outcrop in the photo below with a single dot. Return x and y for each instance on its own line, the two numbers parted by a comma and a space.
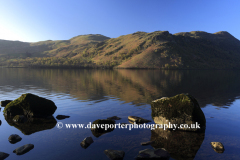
14, 138
114, 154
137, 120
147, 154
86, 142
30, 105
217, 147
23, 149
180, 109
99, 127
4, 103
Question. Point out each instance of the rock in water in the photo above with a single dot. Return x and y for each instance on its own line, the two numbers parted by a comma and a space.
31, 106
3, 155
217, 146
147, 143
86, 142
14, 138
115, 154
114, 118
138, 120
23, 149
60, 117
4, 103
102, 126
180, 109
153, 154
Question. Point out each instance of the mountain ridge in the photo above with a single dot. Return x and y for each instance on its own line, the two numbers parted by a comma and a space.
155, 50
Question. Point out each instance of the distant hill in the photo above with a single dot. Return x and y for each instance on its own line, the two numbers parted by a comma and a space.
159, 50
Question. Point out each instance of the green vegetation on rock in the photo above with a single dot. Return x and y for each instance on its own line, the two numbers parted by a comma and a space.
30, 105
180, 109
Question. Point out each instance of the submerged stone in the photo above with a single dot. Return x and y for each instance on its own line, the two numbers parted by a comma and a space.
180, 109
4, 103
30, 105
114, 154
102, 126
60, 117
14, 138
86, 142
114, 118
23, 149
137, 120
3, 155
146, 154
147, 143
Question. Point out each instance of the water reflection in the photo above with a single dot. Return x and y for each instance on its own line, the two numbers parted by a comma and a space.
219, 88
181, 145
33, 125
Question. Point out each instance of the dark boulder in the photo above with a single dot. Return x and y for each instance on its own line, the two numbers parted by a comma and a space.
23, 149
4, 103
30, 105
3, 155
114, 118
60, 117
14, 138
99, 127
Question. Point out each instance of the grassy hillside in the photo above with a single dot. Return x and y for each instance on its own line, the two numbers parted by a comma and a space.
159, 50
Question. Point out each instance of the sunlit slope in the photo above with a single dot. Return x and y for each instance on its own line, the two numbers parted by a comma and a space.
159, 50
76, 45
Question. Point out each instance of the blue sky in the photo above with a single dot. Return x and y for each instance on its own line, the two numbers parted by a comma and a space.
39, 20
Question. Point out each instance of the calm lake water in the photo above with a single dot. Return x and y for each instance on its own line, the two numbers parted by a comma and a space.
88, 95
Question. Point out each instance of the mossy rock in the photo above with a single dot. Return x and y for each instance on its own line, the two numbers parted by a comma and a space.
180, 109
97, 131
30, 105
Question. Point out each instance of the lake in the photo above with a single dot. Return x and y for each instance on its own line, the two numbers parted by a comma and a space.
90, 94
